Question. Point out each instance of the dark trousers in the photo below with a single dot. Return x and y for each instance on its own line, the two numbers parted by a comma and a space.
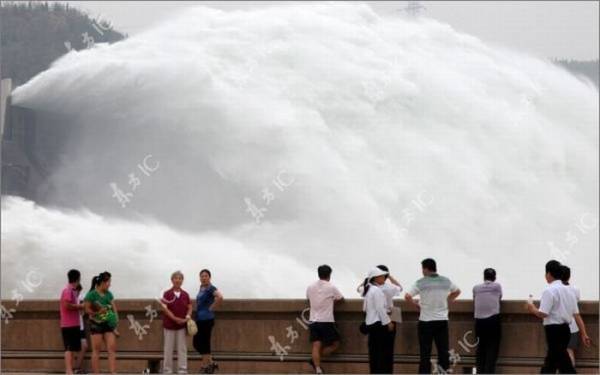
557, 358
437, 331
389, 349
202, 338
381, 350
488, 332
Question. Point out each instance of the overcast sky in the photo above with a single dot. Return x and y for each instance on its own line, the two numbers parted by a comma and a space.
553, 29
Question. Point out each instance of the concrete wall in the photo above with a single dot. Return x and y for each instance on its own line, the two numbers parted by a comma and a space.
5, 91
33, 143
31, 339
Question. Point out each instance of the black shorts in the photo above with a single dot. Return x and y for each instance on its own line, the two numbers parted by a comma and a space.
99, 328
326, 332
574, 341
71, 339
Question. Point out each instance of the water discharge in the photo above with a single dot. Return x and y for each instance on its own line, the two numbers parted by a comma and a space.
368, 140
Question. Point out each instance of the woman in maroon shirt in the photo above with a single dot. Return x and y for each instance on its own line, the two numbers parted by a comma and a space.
177, 309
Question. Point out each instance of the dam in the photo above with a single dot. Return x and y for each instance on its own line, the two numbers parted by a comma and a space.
248, 143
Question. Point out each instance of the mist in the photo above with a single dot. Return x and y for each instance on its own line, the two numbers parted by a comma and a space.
378, 141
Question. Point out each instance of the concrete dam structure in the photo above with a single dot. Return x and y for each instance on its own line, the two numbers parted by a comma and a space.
32, 143
270, 336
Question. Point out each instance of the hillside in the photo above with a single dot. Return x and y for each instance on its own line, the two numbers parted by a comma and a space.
589, 69
34, 34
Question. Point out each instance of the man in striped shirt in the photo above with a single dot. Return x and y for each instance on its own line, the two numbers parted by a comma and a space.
436, 291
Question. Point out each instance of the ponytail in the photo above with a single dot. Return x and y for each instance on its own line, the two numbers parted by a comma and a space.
97, 280
94, 283
365, 287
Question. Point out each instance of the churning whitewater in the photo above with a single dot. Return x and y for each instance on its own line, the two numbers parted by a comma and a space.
266, 142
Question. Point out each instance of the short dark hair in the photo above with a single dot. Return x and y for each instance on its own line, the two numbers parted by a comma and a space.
553, 267
429, 264
489, 274
205, 270
73, 276
324, 272
565, 273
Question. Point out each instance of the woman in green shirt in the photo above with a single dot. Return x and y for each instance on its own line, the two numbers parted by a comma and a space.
102, 312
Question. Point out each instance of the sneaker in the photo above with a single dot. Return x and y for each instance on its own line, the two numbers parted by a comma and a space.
318, 370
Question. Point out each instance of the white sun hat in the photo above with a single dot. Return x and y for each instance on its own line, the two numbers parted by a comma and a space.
376, 272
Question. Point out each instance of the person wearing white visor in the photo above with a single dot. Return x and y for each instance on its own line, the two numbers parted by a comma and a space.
391, 288
378, 322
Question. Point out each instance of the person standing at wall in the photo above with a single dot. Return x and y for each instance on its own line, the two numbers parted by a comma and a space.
324, 336
391, 288
486, 300
436, 291
577, 335
177, 310
557, 309
207, 300
84, 344
379, 325
69, 318
103, 318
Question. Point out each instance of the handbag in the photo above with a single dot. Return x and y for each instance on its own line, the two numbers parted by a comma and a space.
363, 328
191, 327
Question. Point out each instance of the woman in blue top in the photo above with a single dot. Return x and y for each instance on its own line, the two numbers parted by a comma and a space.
208, 298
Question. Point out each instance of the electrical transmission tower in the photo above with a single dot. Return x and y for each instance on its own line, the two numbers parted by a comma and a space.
413, 8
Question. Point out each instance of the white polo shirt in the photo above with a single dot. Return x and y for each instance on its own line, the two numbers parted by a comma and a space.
321, 295
559, 303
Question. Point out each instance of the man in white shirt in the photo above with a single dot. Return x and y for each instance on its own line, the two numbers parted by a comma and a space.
557, 309
436, 291
324, 335
577, 334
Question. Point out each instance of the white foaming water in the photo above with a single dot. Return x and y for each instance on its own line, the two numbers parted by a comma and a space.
404, 139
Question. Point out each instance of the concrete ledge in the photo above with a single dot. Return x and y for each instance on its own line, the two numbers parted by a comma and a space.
270, 357
31, 340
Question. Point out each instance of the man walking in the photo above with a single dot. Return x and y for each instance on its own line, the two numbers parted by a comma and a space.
557, 309
324, 335
577, 334
436, 291
486, 298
